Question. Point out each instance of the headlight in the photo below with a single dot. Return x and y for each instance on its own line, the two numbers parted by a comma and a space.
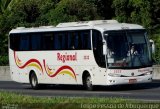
149, 73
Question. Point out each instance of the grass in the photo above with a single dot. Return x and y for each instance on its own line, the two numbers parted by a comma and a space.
18, 101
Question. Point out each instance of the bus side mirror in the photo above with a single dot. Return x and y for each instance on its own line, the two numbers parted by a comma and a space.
104, 48
152, 46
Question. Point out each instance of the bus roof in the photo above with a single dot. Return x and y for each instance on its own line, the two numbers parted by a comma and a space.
102, 25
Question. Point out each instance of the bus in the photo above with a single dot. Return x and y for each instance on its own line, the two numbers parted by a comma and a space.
88, 53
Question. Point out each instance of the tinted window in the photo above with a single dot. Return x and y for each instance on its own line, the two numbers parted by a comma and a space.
64, 37
14, 41
57, 42
35, 42
61, 41
47, 40
79, 40
73, 40
24, 42
98, 48
86, 40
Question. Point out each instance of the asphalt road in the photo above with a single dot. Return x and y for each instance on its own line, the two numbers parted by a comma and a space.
147, 92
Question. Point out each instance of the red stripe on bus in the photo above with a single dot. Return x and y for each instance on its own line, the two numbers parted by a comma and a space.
28, 62
59, 70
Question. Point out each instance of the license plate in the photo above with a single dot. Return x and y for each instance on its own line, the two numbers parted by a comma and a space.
132, 81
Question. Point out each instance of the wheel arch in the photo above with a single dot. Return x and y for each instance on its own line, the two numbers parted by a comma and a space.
85, 73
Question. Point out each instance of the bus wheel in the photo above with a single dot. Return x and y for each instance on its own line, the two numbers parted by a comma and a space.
88, 83
34, 81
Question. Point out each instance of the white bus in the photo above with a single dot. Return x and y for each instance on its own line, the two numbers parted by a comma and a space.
89, 53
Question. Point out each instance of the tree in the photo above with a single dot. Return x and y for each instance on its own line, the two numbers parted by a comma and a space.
121, 10
30, 13
155, 10
73, 10
133, 11
4, 4
104, 8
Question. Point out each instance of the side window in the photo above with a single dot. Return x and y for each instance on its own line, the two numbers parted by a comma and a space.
62, 40
64, 43
24, 42
79, 40
58, 42
47, 41
14, 41
97, 40
76, 40
36, 41
72, 40
86, 39
98, 48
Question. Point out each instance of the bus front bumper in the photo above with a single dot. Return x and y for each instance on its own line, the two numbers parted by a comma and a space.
129, 80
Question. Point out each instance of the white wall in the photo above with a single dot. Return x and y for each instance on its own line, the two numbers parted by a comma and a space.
4, 73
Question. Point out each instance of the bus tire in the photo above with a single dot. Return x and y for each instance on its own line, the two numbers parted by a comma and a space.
87, 83
34, 81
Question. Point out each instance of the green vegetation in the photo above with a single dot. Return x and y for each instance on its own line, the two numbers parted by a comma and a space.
28, 102
31, 13
4, 60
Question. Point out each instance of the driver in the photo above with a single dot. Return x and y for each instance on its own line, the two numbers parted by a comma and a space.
132, 51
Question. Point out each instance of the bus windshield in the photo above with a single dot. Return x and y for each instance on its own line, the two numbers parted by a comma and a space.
127, 49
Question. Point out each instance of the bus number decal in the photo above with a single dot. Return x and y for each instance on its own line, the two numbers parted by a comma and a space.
117, 71
86, 57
